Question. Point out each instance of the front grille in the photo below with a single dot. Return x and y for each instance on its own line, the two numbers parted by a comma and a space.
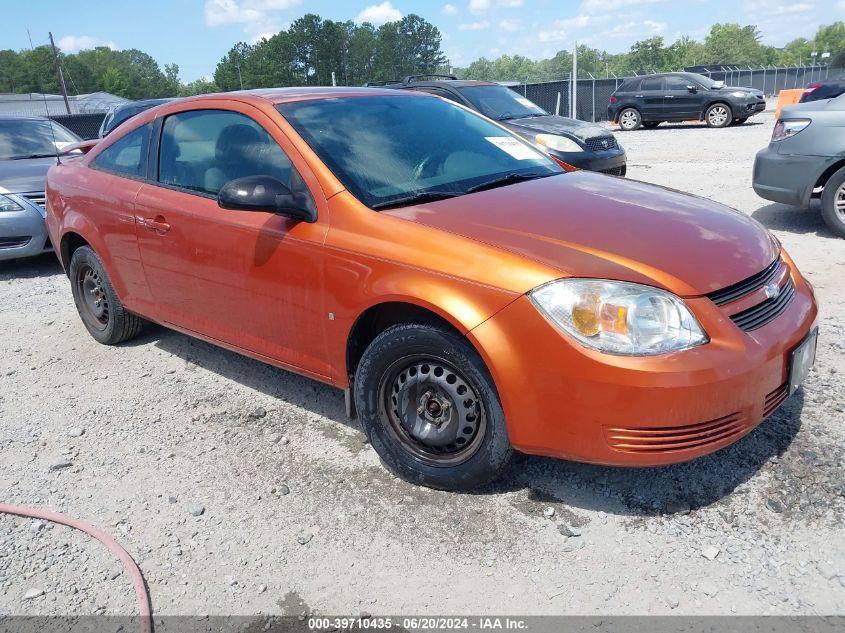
38, 198
14, 241
746, 286
614, 171
601, 143
757, 316
775, 399
675, 438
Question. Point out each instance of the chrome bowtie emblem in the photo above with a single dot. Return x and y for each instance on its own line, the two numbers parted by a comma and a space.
772, 291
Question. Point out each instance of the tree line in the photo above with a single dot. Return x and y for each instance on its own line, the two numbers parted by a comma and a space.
313, 50
725, 44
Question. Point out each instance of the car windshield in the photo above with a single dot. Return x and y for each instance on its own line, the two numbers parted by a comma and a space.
704, 81
32, 138
405, 149
500, 103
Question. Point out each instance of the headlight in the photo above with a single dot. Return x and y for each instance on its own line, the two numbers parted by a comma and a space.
787, 128
7, 204
618, 317
558, 143
740, 94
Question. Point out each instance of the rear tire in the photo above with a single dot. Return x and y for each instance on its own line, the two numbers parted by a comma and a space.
430, 408
833, 203
718, 115
650, 125
101, 311
630, 119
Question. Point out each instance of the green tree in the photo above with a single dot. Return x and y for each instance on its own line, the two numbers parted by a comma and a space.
734, 44
648, 55
830, 39
115, 83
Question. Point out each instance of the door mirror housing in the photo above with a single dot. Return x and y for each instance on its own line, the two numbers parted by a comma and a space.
692, 89
268, 194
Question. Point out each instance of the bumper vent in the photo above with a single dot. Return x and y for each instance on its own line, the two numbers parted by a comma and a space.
14, 241
601, 143
757, 316
675, 438
775, 399
746, 286
614, 171
38, 198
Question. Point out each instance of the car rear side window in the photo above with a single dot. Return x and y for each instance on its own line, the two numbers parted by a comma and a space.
127, 156
630, 86
652, 83
202, 150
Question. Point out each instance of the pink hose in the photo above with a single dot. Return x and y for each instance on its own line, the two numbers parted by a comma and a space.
141, 595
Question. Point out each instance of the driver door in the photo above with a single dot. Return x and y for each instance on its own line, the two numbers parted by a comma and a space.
249, 280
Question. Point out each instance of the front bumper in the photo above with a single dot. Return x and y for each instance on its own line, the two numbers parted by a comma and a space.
787, 178
563, 400
23, 233
612, 161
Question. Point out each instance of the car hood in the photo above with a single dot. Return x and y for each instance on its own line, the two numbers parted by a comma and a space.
25, 175
588, 225
556, 125
753, 91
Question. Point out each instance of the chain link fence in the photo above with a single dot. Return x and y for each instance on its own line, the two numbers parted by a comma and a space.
86, 126
593, 93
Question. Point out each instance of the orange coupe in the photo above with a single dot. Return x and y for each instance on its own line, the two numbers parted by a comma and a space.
469, 294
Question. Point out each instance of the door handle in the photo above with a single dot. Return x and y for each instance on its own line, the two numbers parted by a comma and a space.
157, 224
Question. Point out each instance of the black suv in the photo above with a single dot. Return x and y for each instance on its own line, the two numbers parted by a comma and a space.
650, 100
584, 145
122, 113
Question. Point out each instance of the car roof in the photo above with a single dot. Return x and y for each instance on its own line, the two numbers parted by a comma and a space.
285, 95
23, 117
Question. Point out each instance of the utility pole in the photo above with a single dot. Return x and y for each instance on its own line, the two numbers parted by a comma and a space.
574, 103
59, 72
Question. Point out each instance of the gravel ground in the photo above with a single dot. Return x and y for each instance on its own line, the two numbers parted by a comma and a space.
242, 489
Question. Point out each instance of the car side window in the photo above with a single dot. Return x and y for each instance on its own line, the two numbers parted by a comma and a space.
677, 83
202, 150
652, 83
127, 156
440, 93
630, 86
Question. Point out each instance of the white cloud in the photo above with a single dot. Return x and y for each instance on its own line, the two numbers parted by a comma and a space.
255, 15
768, 9
475, 26
451, 9
479, 6
604, 6
511, 4
379, 14
638, 29
73, 43
555, 35
510, 25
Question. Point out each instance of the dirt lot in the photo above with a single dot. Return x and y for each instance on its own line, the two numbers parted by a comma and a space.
242, 489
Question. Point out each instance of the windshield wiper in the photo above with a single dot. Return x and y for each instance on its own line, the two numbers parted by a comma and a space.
423, 196
26, 156
507, 179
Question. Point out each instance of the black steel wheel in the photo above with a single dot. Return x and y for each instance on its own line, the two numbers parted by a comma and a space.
430, 408
98, 305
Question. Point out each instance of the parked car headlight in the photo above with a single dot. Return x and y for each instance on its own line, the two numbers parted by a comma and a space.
787, 128
618, 317
7, 204
558, 143
740, 94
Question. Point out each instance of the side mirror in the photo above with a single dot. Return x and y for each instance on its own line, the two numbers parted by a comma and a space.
692, 89
268, 194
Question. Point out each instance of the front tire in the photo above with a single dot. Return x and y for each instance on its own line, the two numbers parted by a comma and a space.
630, 119
101, 311
718, 115
833, 203
430, 409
